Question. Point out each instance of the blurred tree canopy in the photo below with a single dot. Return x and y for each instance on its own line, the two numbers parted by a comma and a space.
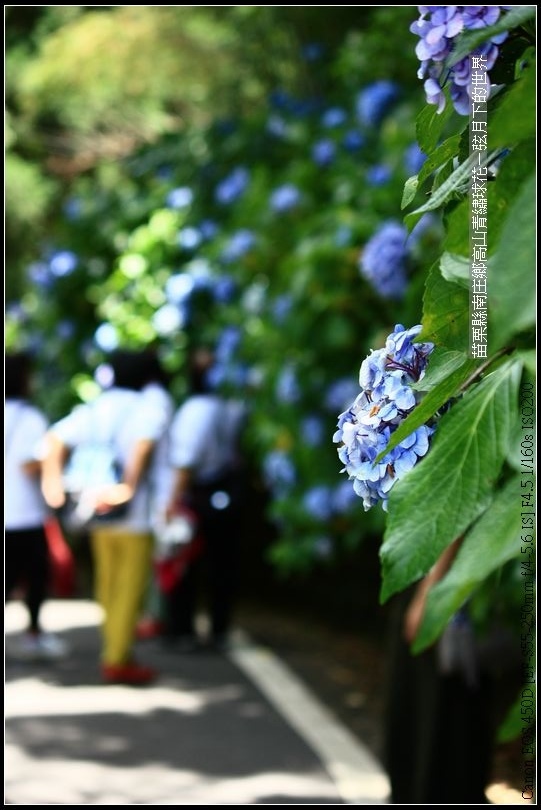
91, 84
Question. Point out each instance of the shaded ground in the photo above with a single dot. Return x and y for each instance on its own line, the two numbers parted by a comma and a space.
204, 733
331, 631
347, 672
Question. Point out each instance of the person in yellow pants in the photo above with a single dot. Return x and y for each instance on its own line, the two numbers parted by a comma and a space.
122, 564
122, 545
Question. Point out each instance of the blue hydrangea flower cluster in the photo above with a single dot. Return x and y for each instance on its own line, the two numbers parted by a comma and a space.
208, 229
40, 274
375, 101
169, 319
383, 261
179, 198
339, 393
279, 473
60, 263
313, 51
344, 498
224, 289
63, 263
189, 238
378, 175
227, 343
233, 186
353, 140
179, 287
277, 126
227, 370
414, 159
312, 430
240, 243
333, 117
65, 329
437, 28
385, 399
281, 307
285, 198
287, 385
106, 337
73, 209
324, 152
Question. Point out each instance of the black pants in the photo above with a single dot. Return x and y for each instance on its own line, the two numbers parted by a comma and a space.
216, 570
27, 564
439, 730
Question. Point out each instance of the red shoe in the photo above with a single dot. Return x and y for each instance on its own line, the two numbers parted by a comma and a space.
130, 674
149, 628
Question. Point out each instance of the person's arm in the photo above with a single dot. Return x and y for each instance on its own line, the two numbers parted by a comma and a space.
182, 480
52, 464
31, 436
186, 436
138, 463
416, 609
134, 470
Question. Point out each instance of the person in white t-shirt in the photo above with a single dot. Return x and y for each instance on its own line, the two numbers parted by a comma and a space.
25, 511
121, 547
209, 480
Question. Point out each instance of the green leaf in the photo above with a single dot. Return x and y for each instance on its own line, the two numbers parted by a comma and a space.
430, 124
513, 171
469, 40
515, 118
529, 358
410, 190
442, 175
448, 149
456, 268
452, 486
513, 722
441, 364
512, 279
493, 541
441, 157
457, 182
514, 456
445, 313
457, 222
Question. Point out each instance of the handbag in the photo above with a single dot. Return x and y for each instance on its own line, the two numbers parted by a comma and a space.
62, 561
78, 514
175, 534
178, 544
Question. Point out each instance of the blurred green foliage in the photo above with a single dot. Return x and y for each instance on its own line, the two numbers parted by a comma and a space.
115, 109
178, 175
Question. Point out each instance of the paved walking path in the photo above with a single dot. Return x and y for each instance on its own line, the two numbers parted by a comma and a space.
233, 728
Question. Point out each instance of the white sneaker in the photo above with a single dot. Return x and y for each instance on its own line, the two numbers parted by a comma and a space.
51, 646
40, 647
